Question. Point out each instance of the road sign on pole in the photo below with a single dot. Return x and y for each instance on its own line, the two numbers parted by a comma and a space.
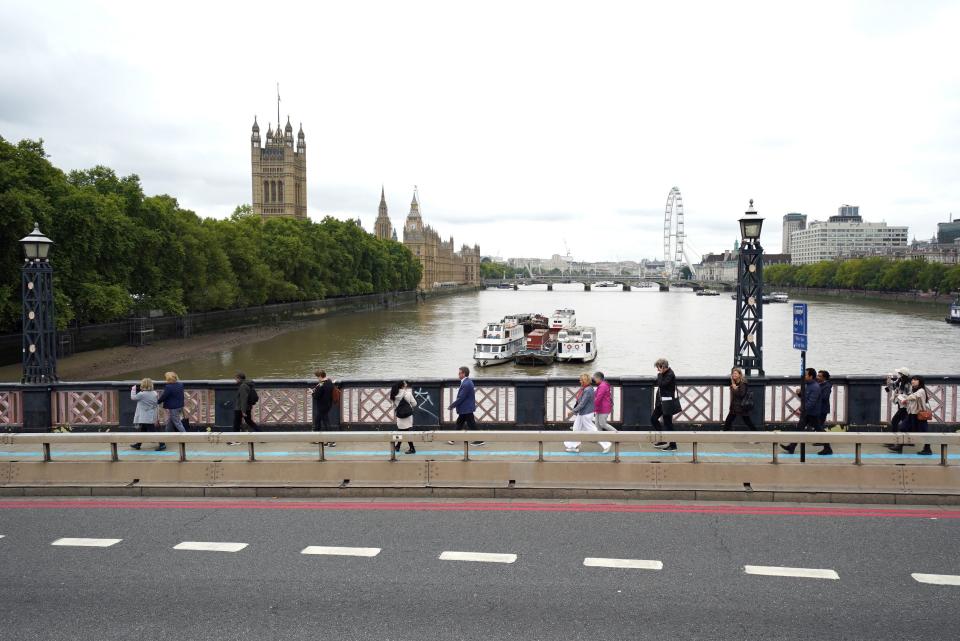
800, 318
800, 342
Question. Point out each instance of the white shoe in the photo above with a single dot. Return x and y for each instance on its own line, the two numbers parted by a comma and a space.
573, 449
606, 450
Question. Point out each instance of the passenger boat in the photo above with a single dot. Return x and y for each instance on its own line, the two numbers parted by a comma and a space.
561, 319
779, 297
541, 348
530, 322
504, 286
498, 343
577, 344
954, 316
605, 284
707, 292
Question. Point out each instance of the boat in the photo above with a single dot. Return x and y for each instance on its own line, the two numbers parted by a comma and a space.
779, 297
605, 284
504, 286
954, 316
498, 343
540, 349
707, 292
561, 319
530, 322
577, 344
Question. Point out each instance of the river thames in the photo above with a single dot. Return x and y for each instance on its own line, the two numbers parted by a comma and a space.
634, 328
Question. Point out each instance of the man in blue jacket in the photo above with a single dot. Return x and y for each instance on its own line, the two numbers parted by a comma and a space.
810, 408
465, 404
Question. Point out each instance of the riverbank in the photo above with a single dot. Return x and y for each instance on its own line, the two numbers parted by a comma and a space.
102, 364
901, 297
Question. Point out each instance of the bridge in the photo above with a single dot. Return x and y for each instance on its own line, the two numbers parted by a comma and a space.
627, 282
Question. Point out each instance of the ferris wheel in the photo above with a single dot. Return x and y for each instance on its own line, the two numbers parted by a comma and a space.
673, 234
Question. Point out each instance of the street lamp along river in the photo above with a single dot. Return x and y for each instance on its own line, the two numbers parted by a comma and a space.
748, 341
39, 327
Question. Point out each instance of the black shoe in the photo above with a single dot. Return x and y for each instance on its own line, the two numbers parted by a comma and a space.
826, 451
411, 450
891, 446
788, 448
897, 449
135, 446
161, 447
659, 443
668, 447
926, 451
477, 442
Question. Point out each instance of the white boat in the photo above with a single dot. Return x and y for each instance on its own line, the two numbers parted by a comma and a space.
498, 343
562, 319
605, 284
779, 297
577, 344
707, 292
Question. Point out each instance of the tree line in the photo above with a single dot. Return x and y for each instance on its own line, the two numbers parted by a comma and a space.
118, 252
869, 274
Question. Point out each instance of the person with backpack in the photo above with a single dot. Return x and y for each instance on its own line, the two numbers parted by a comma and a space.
403, 405
918, 412
323, 394
243, 403
741, 401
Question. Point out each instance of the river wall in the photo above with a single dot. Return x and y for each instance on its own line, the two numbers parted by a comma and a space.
859, 294
135, 331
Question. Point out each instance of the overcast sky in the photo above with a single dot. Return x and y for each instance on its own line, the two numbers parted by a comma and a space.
525, 124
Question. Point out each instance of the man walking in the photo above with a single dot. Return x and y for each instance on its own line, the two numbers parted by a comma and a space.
465, 404
171, 398
667, 403
323, 394
243, 403
603, 402
809, 410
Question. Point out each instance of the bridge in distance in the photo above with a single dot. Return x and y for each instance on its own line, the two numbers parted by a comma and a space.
628, 282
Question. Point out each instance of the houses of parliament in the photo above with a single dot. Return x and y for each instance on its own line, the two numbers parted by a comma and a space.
279, 175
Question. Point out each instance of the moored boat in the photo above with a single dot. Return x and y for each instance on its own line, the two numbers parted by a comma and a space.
954, 316
707, 292
530, 322
577, 344
561, 319
540, 349
498, 343
605, 284
779, 297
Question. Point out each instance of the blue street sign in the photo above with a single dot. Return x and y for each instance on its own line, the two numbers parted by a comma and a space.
799, 319
800, 342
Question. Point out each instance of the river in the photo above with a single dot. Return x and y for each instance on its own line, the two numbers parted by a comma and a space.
634, 328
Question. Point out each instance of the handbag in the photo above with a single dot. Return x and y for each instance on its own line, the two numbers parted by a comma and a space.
403, 409
670, 406
925, 413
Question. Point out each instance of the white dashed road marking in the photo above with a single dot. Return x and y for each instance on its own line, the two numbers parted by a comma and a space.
209, 546
937, 579
635, 564
87, 543
801, 573
482, 557
337, 551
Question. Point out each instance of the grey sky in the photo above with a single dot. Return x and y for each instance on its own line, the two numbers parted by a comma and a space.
524, 124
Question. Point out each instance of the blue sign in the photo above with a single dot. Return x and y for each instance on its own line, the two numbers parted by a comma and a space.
799, 318
800, 342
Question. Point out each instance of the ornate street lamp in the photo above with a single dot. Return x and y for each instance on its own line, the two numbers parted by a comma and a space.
39, 329
748, 341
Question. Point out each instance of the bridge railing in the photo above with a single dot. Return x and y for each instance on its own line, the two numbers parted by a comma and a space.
857, 402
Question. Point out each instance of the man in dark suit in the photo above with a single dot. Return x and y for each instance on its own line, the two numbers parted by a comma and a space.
810, 409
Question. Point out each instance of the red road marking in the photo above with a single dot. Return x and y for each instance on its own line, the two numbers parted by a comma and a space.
662, 508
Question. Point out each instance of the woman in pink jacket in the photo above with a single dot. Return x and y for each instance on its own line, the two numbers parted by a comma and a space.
603, 402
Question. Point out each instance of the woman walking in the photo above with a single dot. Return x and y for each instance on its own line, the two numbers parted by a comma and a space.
738, 392
582, 414
145, 416
918, 412
403, 405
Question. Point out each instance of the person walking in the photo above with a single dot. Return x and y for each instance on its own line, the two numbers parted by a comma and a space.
898, 384
145, 416
403, 405
666, 404
583, 415
172, 400
323, 395
826, 391
465, 404
603, 403
809, 410
918, 412
243, 402
738, 393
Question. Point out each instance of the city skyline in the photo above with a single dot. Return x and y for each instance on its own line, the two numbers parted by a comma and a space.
559, 132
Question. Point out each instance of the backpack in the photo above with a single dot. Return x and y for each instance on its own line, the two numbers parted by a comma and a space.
252, 396
335, 395
747, 402
403, 409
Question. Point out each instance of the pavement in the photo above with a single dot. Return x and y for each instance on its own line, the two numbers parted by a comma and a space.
203, 569
440, 450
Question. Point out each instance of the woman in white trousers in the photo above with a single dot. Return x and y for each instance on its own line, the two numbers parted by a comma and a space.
583, 415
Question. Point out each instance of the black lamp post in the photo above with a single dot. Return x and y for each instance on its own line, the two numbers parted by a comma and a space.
748, 342
39, 329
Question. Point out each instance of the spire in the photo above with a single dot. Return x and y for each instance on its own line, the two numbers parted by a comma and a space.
414, 205
289, 127
300, 133
256, 127
383, 203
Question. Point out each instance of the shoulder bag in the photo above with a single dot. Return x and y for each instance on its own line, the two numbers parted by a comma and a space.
925, 413
403, 409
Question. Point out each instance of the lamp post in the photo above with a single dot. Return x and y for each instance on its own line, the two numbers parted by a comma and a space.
39, 330
748, 341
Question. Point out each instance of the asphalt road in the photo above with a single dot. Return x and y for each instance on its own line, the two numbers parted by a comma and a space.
142, 587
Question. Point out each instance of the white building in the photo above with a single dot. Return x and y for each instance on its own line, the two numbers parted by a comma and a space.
843, 239
791, 222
